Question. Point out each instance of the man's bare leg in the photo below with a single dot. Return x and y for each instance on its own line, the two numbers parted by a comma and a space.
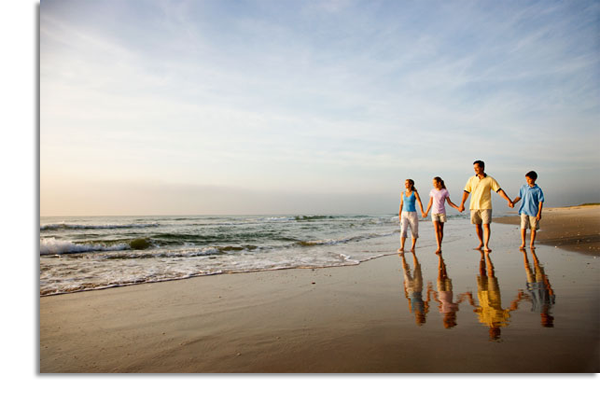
479, 236
487, 232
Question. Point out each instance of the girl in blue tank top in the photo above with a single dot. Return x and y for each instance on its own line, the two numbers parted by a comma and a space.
408, 214
409, 202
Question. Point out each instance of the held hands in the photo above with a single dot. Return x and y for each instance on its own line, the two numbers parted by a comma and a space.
424, 215
511, 204
461, 208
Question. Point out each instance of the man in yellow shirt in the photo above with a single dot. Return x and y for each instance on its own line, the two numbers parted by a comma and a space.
480, 187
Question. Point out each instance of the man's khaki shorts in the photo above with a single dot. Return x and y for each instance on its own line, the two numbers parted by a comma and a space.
479, 217
529, 222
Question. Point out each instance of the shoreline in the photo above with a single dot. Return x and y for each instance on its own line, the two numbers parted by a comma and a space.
573, 228
357, 319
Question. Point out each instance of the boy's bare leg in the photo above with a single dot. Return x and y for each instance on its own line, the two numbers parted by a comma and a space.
487, 232
523, 234
402, 240
479, 236
533, 233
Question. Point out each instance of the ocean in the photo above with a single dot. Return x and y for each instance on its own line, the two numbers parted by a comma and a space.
89, 253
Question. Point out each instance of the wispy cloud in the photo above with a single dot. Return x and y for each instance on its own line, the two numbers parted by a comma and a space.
250, 93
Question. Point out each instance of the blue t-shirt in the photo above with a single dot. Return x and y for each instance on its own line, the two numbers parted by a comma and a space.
409, 202
532, 196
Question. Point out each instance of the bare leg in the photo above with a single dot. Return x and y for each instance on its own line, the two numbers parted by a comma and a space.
438, 227
487, 232
523, 231
414, 242
533, 233
402, 240
479, 236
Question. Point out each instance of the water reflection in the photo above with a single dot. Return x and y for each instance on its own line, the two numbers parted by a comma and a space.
539, 290
487, 305
490, 311
413, 289
444, 296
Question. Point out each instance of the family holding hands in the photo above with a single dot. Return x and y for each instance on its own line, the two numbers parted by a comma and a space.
479, 187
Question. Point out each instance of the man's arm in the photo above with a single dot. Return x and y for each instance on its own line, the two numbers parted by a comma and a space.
503, 194
461, 208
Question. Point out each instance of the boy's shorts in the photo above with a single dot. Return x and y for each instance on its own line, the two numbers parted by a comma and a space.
439, 217
479, 217
529, 222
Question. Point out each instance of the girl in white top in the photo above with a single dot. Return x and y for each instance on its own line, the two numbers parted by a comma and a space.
437, 198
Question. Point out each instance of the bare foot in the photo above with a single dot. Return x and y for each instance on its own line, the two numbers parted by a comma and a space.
438, 251
412, 250
532, 247
522, 246
487, 250
479, 247
400, 250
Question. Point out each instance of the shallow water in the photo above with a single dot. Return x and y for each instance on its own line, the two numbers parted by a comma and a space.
85, 253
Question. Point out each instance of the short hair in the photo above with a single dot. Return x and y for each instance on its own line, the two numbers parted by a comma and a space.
532, 175
480, 163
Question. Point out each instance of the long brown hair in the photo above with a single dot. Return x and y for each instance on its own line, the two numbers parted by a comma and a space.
440, 181
412, 185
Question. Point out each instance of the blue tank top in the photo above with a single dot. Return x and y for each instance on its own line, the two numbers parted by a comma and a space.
409, 202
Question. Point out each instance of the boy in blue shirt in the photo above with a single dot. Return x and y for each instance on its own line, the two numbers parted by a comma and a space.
531, 209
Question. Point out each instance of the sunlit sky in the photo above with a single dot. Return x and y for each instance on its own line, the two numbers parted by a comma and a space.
267, 107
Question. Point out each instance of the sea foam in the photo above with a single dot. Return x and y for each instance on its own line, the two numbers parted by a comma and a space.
53, 246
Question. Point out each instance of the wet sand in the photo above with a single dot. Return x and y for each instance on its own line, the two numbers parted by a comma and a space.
508, 311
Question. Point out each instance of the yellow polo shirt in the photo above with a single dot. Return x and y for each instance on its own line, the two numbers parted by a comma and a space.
490, 311
481, 197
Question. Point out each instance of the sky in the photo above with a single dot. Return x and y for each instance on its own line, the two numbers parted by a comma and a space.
315, 107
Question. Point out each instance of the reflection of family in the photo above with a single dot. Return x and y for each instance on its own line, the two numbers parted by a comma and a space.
490, 311
413, 290
488, 306
479, 187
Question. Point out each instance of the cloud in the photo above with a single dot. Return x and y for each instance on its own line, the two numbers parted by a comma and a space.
320, 96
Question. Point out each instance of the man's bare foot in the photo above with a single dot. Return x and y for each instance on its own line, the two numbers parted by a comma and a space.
438, 251
479, 247
401, 250
532, 247
412, 249
522, 246
487, 250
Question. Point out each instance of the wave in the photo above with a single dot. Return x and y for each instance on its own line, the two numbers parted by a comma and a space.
49, 246
53, 246
314, 217
84, 287
65, 226
329, 242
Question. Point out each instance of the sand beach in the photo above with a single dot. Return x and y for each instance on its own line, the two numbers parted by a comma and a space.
462, 312
574, 228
